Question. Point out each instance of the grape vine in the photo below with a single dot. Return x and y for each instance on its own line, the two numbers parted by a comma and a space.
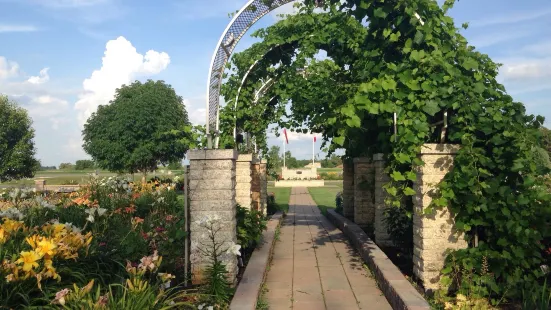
407, 57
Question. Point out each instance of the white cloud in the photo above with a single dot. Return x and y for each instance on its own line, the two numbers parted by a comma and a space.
121, 65
17, 28
486, 40
528, 68
8, 68
41, 79
197, 112
512, 18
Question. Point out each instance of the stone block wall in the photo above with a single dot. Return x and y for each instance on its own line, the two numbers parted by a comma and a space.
263, 186
212, 181
348, 189
433, 234
364, 179
256, 186
299, 174
381, 178
244, 179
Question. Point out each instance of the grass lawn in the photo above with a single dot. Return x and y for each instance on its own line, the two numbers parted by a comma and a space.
324, 197
320, 170
282, 195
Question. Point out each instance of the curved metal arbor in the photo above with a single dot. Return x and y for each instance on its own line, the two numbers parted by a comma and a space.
242, 21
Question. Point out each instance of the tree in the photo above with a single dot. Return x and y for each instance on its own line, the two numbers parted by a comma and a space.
84, 164
275, 161
17, 149
66, 166
546, 139
140, 128
176, 165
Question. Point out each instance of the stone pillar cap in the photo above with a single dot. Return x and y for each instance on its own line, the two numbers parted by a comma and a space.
211, 154
439, 149
245, 157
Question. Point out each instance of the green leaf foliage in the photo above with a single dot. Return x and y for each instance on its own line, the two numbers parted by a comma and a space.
139, 129
398, 65
17, 151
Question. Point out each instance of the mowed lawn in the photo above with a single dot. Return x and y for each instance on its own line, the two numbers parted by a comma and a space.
320, 170
324, 196
282, 195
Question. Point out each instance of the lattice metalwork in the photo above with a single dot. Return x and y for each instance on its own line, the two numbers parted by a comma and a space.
242, 21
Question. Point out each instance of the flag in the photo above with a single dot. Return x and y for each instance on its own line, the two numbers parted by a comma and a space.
314, 139
285, 133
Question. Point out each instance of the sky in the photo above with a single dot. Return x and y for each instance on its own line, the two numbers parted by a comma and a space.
61, 59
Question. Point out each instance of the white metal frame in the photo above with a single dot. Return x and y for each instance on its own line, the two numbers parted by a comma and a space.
249, 14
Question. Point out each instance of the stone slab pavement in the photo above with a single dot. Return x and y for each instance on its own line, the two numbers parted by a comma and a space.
315, 267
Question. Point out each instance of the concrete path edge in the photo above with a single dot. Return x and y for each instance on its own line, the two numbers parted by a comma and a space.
248, 290
397, 289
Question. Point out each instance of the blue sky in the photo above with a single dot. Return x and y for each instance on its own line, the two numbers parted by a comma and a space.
62, 58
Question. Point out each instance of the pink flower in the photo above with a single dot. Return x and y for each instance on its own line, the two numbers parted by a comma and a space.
60, 296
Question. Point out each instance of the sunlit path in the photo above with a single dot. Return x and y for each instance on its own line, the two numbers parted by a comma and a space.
314, 266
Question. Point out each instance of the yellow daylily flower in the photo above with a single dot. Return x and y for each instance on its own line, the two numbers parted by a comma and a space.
33, 240
3, 236
46, 247
28, 259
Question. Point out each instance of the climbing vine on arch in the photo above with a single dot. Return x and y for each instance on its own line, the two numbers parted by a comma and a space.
411, 59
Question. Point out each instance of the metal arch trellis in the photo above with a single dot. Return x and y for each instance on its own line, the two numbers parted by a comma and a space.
240, 24
249, 14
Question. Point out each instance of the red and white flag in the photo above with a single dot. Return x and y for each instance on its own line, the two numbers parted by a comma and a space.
285, 133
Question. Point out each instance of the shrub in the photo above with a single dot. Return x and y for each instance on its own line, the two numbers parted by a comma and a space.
272, 206
250, 225
338, 203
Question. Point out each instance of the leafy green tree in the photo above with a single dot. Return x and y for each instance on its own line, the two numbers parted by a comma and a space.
139, 129
84, 164
17, 151
546, 139
275, 161
66, 166
177, 165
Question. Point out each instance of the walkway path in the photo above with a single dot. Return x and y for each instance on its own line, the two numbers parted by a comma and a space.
314, 266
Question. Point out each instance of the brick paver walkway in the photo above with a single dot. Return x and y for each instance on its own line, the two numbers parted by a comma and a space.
315, 267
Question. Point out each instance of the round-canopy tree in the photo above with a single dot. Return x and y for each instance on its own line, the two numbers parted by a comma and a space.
139, 129
17, 150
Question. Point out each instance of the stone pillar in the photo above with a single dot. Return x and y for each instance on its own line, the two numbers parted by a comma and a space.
381, 178
243, 178
263, 187
212, 194
433, 234
348, 189
364, 179
255, 184
40, 185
